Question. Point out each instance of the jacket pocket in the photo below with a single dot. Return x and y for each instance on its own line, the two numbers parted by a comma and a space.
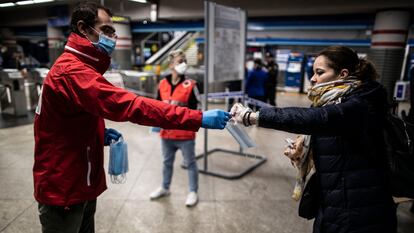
88, 174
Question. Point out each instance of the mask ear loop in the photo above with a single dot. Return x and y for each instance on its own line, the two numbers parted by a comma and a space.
99, 35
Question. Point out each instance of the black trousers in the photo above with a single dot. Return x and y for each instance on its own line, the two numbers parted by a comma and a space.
271, 96
79, 218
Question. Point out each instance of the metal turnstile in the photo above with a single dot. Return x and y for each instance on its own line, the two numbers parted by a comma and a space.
33, 86
141, 83
12, 93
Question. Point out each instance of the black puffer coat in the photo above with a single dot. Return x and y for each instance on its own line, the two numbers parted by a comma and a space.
347, 145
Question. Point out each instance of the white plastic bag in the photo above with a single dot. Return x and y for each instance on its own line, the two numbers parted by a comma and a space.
240, 135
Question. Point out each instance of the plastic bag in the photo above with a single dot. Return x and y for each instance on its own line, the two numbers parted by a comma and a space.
240, 135
118, 161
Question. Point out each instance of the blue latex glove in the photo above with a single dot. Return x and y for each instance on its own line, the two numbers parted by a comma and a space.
215, 119
111, 134
155, 129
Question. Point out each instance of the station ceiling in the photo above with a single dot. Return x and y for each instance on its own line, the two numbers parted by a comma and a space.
37, 14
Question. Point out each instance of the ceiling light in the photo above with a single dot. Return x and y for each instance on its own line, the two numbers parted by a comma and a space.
154, 12
42, 1
7, 4
20, 3
141, 1
28, 2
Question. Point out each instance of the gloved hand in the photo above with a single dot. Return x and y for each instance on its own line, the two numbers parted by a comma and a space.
238, 111
155, 129
111, 134
215, 119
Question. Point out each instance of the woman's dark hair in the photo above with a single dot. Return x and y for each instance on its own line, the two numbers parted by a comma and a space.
88, 12
341, 57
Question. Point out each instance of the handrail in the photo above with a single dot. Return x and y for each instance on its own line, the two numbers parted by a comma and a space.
174, 43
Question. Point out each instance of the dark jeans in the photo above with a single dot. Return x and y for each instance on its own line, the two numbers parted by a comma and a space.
77, 218
412, 208
271, 95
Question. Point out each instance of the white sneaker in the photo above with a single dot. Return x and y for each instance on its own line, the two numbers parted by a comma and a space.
192, 199
160, 192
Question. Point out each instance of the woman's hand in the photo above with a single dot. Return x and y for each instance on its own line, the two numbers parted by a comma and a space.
243, 115
294, 151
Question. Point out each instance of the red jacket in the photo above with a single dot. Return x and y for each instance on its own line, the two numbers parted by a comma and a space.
69, 124
179, 96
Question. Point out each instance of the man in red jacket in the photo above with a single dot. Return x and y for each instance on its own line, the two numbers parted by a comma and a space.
69, 123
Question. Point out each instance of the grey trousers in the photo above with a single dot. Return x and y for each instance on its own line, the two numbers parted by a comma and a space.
79, 218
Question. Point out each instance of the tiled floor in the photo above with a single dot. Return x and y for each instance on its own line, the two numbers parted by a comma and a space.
258, 202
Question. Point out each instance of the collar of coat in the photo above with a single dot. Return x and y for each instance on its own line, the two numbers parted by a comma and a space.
87, 53
169, 79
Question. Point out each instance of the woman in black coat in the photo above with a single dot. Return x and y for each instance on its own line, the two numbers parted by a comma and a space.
345, 127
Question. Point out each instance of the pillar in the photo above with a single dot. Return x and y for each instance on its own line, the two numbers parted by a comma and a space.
122, 56
389, 38
56, 43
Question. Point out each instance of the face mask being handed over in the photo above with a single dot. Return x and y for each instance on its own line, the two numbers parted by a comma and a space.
105, 44
181, 68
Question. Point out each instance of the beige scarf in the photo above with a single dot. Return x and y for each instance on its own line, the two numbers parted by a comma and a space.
300, 152
331, 92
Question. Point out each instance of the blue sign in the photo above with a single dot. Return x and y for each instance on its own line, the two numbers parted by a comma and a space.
294, 70
58, 21
310, 59
411, 68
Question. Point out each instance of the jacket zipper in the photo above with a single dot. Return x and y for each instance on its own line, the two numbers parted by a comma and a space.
406, 135
88, 176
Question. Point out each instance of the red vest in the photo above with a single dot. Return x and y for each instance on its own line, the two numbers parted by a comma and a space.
179, 97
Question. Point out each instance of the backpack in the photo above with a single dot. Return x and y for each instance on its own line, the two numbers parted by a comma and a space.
398, 136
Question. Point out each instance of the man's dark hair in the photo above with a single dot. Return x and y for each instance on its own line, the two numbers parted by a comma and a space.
258, 63
88, 12
269, 54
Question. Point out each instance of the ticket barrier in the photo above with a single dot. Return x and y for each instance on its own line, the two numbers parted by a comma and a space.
33, 86
115, 78
141, 83
12, 93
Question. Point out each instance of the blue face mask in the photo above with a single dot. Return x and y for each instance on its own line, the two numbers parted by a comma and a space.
105, 44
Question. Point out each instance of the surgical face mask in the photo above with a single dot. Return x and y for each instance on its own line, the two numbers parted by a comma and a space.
118, 161
181, 68
238, 133
105, 43
250, 65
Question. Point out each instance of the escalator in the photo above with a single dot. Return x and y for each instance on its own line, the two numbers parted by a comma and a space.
186, 42
179, 42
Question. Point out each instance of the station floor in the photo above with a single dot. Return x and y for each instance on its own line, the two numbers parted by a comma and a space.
258, 202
